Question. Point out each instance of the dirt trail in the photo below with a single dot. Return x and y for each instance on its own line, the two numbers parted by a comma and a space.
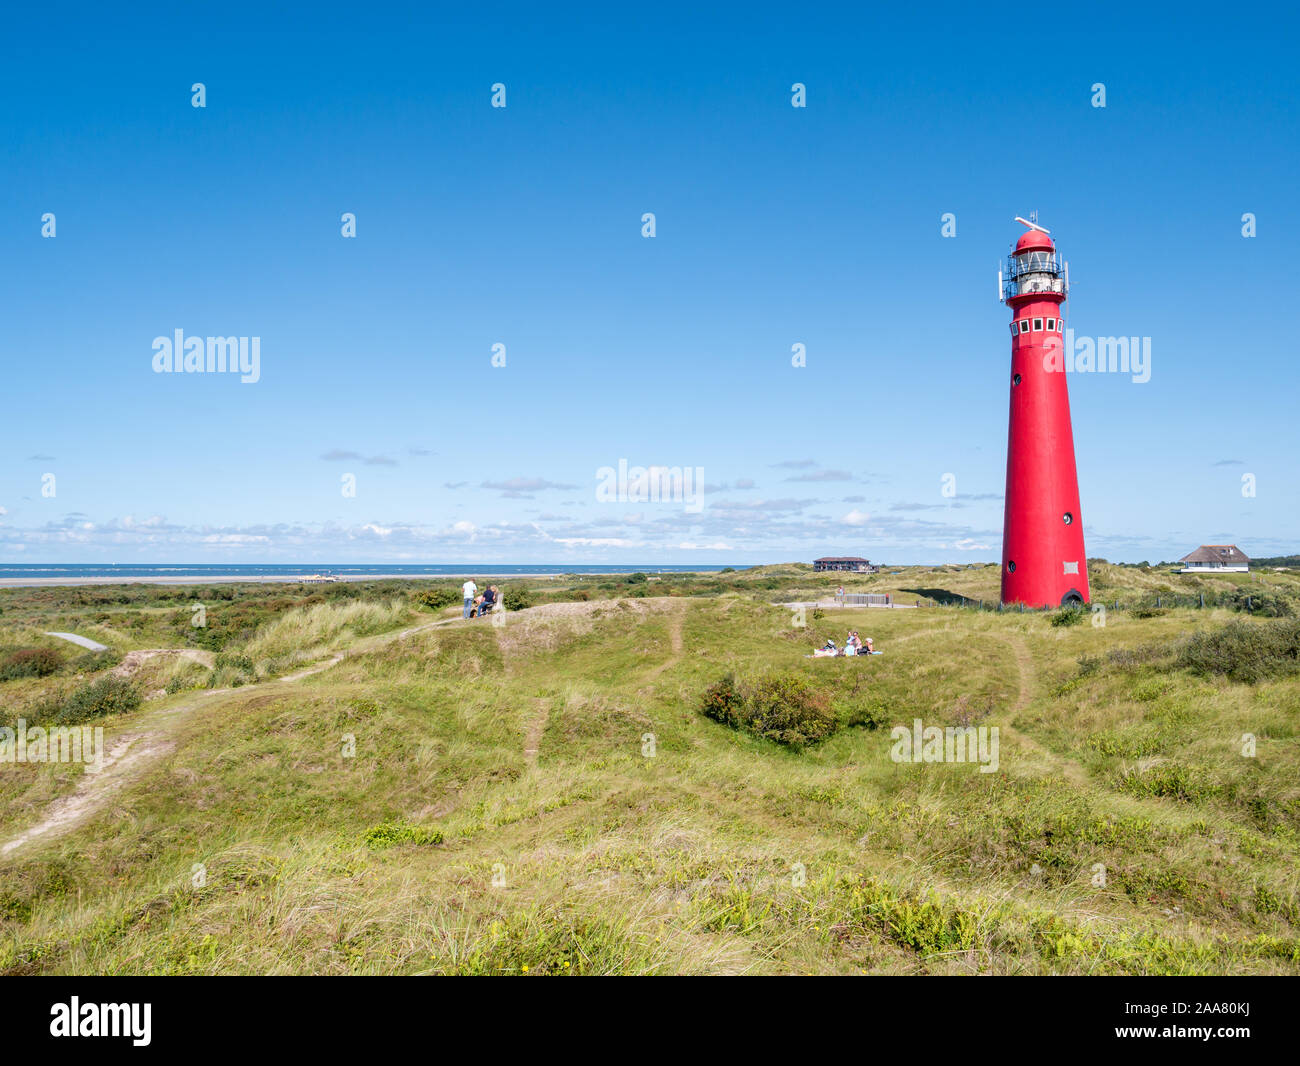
1028, 675
676, 623
536, 729
133, 660
96, 787
129, 751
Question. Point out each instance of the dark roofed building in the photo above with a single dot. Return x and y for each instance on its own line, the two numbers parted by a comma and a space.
843, 562
1215, 558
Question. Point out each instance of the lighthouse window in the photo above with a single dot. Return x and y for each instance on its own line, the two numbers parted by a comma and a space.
1051, 325
1024, 325
1068, 517
1038, 324
1011, 566
1015, 379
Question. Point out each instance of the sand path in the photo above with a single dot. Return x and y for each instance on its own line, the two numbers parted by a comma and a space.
1028, 678
130, 751
84, 642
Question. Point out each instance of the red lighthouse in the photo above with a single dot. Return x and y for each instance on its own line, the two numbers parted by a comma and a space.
1043, 561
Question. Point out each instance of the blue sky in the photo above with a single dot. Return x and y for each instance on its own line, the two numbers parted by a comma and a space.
521, 226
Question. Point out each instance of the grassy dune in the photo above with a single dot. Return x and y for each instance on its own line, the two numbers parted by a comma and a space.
544, 796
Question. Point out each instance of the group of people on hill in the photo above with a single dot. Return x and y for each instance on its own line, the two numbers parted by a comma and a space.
478, 603
854, 645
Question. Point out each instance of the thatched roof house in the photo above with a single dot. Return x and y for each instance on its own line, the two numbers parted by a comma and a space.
1216, 558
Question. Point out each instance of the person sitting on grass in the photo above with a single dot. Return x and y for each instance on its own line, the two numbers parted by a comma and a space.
853, 646
489, 600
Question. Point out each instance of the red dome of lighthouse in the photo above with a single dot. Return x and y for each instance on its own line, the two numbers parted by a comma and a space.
1033, 240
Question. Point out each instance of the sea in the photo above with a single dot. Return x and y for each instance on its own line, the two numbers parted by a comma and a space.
75, 574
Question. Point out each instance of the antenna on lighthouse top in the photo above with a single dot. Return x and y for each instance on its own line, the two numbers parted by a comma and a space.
1032, 225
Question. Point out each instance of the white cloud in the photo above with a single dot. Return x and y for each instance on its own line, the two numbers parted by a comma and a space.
856, 518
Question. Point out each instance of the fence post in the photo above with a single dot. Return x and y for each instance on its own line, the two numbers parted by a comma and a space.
1157, 601
1250, 606
1202, 599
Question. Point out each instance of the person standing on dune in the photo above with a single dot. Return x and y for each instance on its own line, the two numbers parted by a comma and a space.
469, 589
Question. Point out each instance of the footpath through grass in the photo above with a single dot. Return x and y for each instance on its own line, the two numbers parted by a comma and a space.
545, 796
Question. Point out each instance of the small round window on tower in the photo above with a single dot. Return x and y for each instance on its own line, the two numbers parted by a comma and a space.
1068, 517
1011, 567
1015, 379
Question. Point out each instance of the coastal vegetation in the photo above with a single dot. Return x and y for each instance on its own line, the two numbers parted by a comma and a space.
650, 776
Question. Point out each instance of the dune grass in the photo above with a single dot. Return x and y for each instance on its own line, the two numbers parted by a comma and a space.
545, 796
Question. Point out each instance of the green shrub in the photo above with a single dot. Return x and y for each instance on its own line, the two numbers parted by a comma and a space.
636, 578
438, 598
233, 661
1068, 616
108, 695
862, 713
30, 662
723, 702
1265, 600
516, 598
781, 707
1149, 612
1244, 651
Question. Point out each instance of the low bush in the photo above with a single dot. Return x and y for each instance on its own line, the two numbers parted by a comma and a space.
860, 713
1244, 651
516, 598
1263, 600
781, 707
1068, 616
723, 702
1149, 612
108, 695
438, 598
30, 662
